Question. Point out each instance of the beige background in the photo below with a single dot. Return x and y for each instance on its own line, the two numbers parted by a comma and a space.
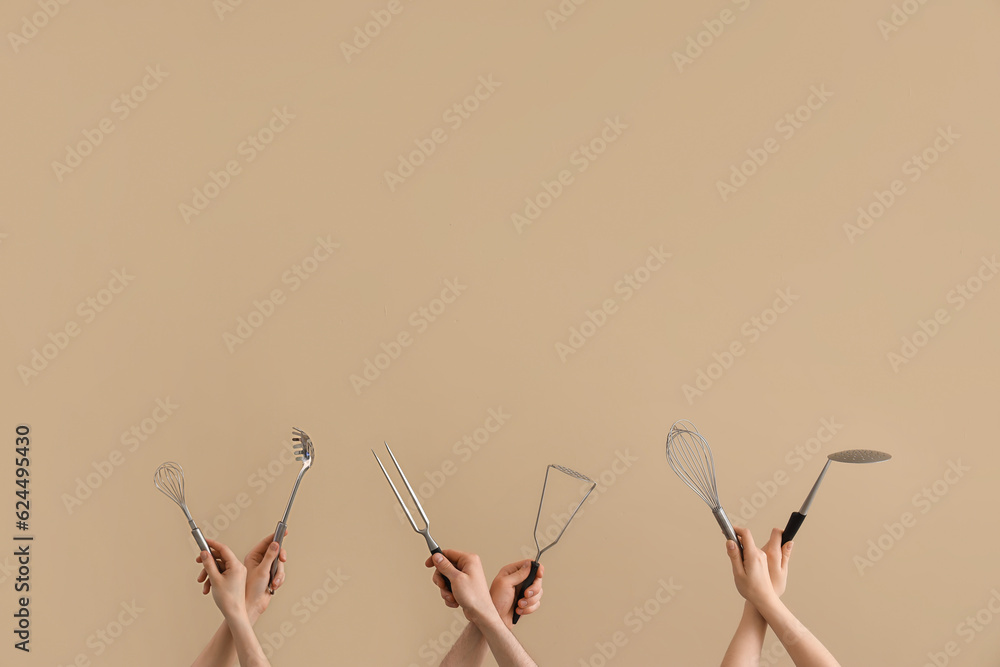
495, 346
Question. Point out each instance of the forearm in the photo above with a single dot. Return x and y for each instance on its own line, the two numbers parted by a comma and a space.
744, 650
802, 646
504, 646
469, 650
221, 650
248, 649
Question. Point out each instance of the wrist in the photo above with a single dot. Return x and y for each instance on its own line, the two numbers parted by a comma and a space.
484, 616
235, 612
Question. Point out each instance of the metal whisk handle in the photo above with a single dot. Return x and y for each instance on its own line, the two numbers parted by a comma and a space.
727, 527
203, 545
525, 585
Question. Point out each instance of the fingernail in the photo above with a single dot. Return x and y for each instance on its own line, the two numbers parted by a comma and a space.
523, 603
731, 545
529, 594
273, 547
277, 581
438, 558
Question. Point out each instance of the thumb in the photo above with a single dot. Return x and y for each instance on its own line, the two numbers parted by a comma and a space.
444, 566
734, 557
208, 562
269, 556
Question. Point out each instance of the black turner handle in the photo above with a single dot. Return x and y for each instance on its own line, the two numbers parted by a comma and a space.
792, 527
525, 585
447, 583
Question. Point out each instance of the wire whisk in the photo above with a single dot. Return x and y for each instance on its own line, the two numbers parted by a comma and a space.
691, 458
169, 479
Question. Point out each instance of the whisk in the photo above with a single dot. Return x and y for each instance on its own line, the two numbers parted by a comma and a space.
691, 458
169, 479
530, 579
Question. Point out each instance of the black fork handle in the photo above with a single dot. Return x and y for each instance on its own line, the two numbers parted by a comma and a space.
447, 582
792, 527
525, 585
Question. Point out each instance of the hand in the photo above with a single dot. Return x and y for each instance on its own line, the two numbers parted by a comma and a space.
503, 590
468, 583
777, 560
505, 587
752, 574
228, 588
258, 563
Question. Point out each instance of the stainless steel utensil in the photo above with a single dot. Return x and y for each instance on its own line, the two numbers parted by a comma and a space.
530, 579
169, 479
426, 530
691, 458
306, 453
846, 456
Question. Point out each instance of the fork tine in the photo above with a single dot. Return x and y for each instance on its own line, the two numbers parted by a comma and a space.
398, 497
416, 500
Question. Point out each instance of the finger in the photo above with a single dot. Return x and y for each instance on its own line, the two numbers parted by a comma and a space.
514, 568
226, 554
283, 556
202, 576
530, 609
745, 538
439, 581
210, 566
786, 553
773, 545
279, 574
444, 566
207, 587
534, 592
734, 556
270, 555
